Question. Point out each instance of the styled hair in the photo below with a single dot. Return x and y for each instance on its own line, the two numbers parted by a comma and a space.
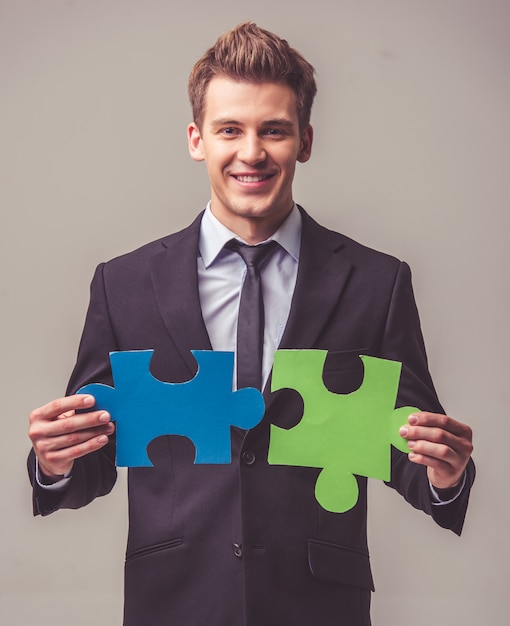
251, 54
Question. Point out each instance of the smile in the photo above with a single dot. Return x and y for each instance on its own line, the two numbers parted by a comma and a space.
251, 179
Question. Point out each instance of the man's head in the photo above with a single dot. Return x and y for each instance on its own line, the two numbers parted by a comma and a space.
251, 96
253, 55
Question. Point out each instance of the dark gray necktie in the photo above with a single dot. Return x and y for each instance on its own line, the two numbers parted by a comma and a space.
250, 323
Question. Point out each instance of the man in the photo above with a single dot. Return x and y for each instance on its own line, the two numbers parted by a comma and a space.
246, 543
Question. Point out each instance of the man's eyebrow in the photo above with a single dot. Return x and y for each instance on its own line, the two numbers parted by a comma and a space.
223, 121
278, 121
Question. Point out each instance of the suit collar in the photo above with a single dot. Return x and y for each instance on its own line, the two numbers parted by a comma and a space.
214, 235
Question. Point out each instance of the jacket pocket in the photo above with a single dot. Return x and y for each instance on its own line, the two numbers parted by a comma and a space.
340, 564
158, 547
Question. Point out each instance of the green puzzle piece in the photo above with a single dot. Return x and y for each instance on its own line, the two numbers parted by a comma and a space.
344, 434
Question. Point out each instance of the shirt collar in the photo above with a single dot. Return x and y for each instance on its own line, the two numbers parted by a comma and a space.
214, 235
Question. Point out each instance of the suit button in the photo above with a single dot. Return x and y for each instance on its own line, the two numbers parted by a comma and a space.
238, 550
248, 457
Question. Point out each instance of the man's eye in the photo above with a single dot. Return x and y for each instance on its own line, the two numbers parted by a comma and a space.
229, 131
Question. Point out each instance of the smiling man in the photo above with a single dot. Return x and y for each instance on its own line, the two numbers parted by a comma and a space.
247, 543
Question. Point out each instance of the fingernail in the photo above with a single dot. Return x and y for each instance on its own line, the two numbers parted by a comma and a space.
102, 439
413, 419
88, 400
104, 417
412, 455
411, 444
403, 431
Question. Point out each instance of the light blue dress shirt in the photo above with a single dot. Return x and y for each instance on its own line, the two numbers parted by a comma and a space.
220, 278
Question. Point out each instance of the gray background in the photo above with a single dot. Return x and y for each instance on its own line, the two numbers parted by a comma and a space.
412, 157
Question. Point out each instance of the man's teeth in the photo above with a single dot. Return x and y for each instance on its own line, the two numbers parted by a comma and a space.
251, 179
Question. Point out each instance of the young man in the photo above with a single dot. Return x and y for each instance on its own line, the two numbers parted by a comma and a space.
247, 543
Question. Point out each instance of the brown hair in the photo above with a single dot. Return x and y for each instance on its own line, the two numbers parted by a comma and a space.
251, 54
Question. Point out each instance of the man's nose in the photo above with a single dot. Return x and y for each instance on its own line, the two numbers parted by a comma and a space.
251, 150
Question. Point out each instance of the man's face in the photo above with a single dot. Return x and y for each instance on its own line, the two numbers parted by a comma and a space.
250, 142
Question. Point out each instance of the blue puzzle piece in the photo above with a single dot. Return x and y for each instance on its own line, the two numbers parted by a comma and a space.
202, 409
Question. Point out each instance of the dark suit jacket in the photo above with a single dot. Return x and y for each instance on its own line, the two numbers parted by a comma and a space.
247, 543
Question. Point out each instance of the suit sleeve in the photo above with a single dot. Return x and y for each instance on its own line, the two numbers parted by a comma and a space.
94, 474
403, 341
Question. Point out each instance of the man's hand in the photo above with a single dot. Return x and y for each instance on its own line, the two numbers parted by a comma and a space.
441, 443
60, 435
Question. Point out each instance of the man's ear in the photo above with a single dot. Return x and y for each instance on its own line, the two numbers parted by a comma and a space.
305, 150
195, 146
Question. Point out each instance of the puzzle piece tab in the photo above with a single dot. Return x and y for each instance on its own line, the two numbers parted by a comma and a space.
202, 409
343, 434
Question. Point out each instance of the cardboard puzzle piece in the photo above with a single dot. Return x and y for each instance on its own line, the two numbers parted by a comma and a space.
343, 434
202, 409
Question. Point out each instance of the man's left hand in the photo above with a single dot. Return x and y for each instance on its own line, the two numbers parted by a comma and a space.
441, 443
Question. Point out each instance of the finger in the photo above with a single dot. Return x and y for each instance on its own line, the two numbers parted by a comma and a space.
428, 433
78, 422
47, 429
444, 422
52, 410
72, 439
432, 462
440, 452
437, 442
58, 462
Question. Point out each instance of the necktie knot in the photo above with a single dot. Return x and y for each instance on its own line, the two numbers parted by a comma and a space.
253, 256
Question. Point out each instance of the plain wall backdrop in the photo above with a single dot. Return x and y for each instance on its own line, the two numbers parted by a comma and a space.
411, 156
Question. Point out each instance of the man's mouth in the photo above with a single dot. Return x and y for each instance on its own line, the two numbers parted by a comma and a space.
251, 179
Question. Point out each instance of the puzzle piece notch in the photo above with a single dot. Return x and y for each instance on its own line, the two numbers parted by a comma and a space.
344, 434
202, 409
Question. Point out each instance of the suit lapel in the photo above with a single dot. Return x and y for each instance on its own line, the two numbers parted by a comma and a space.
321, 278
175, 282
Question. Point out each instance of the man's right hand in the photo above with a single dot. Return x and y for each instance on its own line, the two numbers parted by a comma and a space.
59, 435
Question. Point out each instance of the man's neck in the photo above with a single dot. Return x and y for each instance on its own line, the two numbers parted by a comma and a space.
253, 230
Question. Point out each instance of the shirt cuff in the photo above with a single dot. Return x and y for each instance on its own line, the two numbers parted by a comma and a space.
56, 486
452, 494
